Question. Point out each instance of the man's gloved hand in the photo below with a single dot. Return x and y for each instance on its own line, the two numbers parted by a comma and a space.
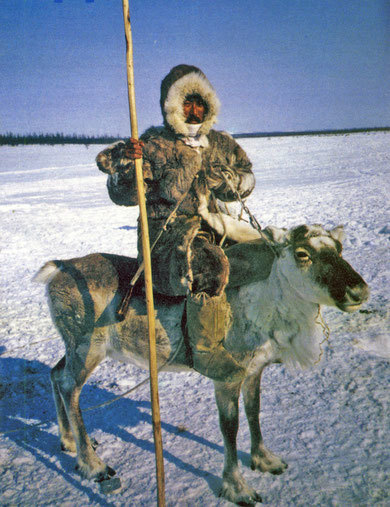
133, 149
233, 178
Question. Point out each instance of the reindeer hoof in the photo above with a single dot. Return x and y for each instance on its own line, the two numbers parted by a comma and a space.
67, 448
239, 493
107, 482
279, 471
110, 485
256, 499
106, 475
94, 443
68, 445
268, 462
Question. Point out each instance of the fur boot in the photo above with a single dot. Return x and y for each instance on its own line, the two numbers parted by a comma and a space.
208, 320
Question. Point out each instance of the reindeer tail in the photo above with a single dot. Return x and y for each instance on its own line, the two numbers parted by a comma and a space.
47, 272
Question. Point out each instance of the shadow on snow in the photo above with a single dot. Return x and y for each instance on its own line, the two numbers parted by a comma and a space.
26, 395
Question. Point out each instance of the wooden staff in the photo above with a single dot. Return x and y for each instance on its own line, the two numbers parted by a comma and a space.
148, 268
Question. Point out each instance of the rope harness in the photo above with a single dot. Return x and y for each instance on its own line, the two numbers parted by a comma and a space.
325, 330
252, 219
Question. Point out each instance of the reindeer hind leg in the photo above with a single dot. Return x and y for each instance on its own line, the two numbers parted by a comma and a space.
68, 442
79, 365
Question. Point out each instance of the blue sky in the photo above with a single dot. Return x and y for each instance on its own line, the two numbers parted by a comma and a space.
277, 65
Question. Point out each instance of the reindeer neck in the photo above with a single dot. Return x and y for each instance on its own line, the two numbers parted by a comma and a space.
271, 310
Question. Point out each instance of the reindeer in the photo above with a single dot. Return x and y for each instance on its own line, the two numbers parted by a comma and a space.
275, 295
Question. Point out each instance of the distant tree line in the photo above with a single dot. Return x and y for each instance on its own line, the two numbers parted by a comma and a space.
58, 138
313, 132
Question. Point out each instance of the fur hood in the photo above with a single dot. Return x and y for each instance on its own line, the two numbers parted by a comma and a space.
181, 81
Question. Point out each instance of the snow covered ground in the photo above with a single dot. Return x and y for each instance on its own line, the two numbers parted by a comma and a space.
331, 424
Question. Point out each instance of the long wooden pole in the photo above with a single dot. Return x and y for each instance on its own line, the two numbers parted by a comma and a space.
148, 268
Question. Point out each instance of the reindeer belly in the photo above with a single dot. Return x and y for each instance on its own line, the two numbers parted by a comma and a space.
129, 340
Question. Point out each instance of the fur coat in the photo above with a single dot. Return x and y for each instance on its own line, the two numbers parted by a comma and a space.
184, 258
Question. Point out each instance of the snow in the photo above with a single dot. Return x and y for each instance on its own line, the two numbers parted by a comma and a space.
331, 424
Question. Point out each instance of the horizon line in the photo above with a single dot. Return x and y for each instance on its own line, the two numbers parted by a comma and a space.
93, 139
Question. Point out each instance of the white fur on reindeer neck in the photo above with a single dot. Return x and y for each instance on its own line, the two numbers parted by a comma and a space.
282, 320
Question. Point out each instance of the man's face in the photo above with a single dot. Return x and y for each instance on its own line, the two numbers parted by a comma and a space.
194, 109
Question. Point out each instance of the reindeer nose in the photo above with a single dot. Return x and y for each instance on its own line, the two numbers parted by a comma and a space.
358, 294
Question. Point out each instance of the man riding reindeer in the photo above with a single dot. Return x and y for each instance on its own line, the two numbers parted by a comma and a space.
183, 158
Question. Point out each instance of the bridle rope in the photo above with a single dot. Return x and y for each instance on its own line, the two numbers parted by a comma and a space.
252, 219
325, 330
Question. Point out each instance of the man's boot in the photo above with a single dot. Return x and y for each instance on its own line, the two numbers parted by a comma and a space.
208, 320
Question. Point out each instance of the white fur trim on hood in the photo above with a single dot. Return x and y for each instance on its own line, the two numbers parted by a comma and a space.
192, 83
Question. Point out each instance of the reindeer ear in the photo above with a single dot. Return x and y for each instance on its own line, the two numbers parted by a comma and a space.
337, 233
276, 235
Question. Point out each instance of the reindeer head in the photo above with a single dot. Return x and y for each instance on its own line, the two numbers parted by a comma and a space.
311, 259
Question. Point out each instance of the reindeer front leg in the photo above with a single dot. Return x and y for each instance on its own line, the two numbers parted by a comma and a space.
234, 486
262, 458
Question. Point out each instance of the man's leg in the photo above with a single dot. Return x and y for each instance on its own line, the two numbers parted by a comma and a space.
209, 313
208, 320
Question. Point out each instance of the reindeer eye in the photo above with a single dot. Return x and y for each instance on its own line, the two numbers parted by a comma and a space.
302, 255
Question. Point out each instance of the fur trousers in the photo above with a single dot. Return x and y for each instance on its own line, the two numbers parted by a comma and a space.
185, 259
